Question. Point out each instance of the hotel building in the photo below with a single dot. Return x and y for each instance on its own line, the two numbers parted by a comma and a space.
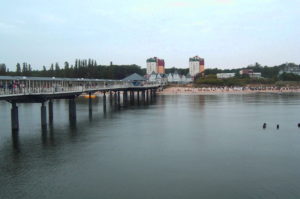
155, 65
196, 65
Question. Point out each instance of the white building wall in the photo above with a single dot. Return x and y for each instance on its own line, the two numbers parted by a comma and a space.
170, 77
151, 67
194, 68
225, 75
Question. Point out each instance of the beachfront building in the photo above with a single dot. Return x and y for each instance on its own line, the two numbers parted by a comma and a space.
176, 77
225, 75
189, 78
250, 73
179, 79
170, 77
196, 65
290, 69
155, 65
135, 79
157, 78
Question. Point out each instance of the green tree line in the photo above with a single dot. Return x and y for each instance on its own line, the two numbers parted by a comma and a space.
82, 68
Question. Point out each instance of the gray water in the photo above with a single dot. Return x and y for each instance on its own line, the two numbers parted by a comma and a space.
209, 146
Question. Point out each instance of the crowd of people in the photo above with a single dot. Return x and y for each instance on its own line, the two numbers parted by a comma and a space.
234, 89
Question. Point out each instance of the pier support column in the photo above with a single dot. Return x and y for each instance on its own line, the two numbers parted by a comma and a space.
43, 115
132, 97
143, 96
138, 97
116, 98
110, 97
14, 117
125, 98
104, 102
50, 109
90, 103
147, 95
119, 99
72, 109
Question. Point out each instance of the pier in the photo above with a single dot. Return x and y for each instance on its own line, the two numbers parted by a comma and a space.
17, 89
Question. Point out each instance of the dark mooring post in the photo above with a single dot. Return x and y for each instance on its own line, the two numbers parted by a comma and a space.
104, 102
90, 103
132, 97
110, 97
116, 98
143, 96
43, 115
72, 109
125, 98
147, 95
14, 117
138, 97
50, 111
119, 99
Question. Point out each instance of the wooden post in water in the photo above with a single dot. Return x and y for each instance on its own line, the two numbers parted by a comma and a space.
72, 109
43, 115
14, 117
138, 97
90, 103
143, 96
125, 98
104, 102
50, 107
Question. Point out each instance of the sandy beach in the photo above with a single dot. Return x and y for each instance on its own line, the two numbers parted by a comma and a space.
234, 90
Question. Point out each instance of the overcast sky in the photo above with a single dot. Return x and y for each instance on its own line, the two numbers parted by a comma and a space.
227, 33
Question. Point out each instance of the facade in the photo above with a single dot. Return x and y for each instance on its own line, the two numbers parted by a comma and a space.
179, 79
196, 65
225, 75
255, 75
250, 73
246, 71
290, 69
155, 65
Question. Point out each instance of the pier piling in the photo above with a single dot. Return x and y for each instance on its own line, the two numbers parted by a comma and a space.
43, 115
50, 111
72, 109
14, 117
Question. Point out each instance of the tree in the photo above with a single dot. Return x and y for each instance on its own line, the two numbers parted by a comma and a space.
2, 69
18, 69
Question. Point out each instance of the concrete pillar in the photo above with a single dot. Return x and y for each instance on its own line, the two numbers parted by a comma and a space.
138, 97
116, 98
143, 96
90, 103
147, 95
125, 98
72, 109
43, 115
50, 109
132, 97
14, 117
104, 102
119, 99
110, 97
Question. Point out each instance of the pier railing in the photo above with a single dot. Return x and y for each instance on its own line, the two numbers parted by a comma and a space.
10, 85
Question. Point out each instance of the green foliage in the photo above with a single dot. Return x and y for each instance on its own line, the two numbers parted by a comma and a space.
289, 77
2, 69
81, 69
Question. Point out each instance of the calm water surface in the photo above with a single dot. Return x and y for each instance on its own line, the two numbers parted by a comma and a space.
209, 146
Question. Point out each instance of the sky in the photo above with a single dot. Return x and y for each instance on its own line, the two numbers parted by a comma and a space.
226, 33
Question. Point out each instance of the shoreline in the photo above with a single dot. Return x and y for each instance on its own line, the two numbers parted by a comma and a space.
217, 91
